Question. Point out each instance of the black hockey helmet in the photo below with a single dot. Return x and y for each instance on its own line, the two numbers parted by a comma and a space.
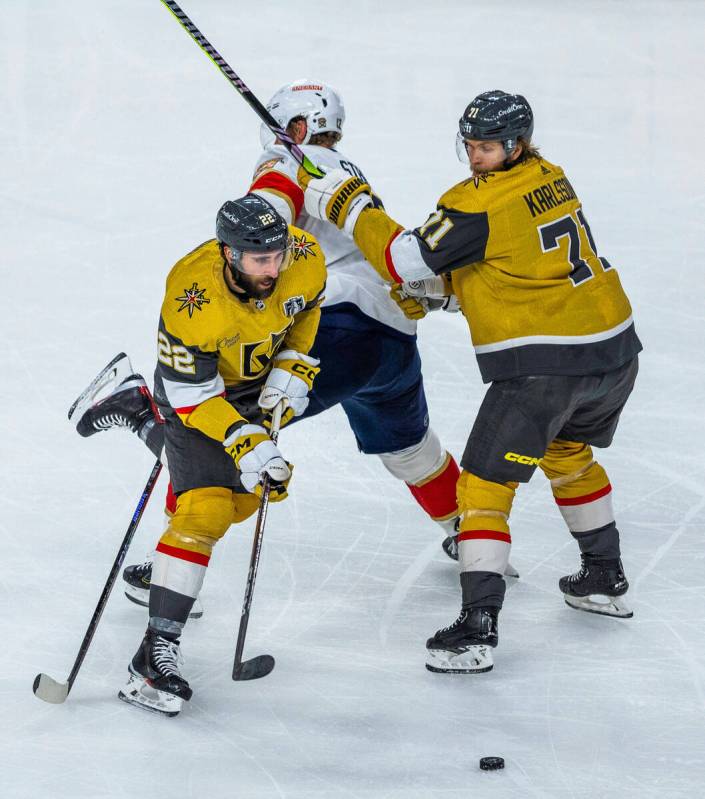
251, 224
498, 116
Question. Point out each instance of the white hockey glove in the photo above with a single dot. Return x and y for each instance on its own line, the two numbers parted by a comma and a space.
255, 454
436, 291
290, 380
337, 197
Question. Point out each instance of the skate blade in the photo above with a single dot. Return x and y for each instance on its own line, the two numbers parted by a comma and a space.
138, 692
600, 604
510, 571
108, 377
140, 596
473, 660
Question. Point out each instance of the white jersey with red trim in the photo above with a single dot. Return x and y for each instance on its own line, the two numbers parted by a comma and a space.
351, 279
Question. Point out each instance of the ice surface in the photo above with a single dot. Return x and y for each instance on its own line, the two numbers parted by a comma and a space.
118, 143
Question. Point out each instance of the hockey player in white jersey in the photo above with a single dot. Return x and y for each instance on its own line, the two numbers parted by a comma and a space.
366, 341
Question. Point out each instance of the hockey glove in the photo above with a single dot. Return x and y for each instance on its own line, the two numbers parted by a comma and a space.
436, 291
256, 455
337, 197
411, 307
290, 380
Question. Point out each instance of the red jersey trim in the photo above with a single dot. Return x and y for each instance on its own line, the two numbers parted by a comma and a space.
585, 498
388, 259
280, 183
187, 409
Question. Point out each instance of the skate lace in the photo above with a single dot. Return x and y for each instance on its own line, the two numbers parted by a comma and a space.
581, 574
113, 420
167, 656
455, 624
142, 569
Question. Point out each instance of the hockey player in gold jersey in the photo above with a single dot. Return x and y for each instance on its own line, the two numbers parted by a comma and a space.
239, 316
553, 334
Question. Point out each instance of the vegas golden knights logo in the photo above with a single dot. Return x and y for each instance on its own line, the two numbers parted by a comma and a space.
256, 356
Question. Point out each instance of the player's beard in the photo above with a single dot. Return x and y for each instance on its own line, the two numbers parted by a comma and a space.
258, 287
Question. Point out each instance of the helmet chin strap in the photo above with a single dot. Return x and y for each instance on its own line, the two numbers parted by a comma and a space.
509, 147
244, 295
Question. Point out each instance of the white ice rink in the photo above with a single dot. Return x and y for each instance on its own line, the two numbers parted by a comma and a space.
118, 143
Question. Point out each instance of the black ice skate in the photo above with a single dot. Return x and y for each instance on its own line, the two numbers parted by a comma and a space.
597, 587
450, 546
466, 646
116, 397
138, 579
155, 682
128, 405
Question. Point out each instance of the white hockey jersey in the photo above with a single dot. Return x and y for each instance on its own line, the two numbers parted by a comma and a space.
351, 279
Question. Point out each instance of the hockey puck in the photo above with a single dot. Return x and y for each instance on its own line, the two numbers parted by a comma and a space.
491, 763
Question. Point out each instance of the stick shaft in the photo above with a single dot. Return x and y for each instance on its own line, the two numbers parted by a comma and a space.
256, 549
102, 602
236, 81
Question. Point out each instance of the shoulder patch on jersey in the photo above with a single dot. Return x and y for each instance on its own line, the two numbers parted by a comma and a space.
545, 171
293, 305
193, 298
478, 180
265, 165
302, 247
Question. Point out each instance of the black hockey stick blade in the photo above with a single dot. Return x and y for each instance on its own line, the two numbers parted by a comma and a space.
48, 689
254, 668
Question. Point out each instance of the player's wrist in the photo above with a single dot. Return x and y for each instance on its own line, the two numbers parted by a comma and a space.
357, 206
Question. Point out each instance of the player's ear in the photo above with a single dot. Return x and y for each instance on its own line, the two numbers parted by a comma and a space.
517, 151
298, 128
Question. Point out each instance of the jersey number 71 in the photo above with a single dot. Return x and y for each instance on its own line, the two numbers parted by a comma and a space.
551, 234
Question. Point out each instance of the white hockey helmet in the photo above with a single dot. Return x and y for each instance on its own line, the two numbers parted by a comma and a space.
320, 105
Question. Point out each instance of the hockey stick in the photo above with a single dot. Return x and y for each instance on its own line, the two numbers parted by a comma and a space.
261, 665
244, 91
46, 687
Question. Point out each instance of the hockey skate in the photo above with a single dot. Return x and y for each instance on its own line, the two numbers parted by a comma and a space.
114, 399
155, 682
465, 647
597, 588
138, 579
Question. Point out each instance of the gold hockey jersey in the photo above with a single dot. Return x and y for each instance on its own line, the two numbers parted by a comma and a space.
536, 295
215, 346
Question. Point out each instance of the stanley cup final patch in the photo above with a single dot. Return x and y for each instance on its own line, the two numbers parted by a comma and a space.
293, 305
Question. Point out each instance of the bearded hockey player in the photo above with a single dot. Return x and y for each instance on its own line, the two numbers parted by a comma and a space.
239, 316
553, 334
366, 342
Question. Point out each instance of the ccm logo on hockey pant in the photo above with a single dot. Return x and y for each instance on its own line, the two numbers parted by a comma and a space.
525, 460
